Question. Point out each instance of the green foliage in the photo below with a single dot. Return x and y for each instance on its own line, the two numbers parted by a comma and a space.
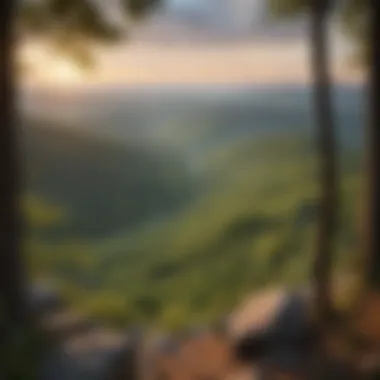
70, 27
253, 227
138, 8
109, 308
40, 214
355, 22
67, 19
74, 27
288, 8
147, 305
174, 318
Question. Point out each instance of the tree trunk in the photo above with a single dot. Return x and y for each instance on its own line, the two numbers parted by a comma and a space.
371, 235
11, 264
327, 155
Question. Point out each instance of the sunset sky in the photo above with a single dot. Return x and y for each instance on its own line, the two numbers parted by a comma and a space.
201, 41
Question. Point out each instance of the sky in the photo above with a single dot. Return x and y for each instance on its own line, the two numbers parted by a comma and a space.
201, 42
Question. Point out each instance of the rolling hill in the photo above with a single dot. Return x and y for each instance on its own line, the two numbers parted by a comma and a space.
167, 205
253, 226
103, 185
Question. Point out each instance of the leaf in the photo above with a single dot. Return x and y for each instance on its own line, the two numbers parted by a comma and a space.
79, 51
139, 8
286, 8
354, 23
74, 27
33, 19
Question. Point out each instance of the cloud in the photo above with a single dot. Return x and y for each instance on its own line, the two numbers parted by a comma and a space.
188, 44
218, 21
249, 62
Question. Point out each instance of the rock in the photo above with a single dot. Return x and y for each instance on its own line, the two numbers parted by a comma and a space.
98, 355
135, 334
196, 331
222, 326
255, 314
292, 321
63, 324
285, 341
44, 299
166, 346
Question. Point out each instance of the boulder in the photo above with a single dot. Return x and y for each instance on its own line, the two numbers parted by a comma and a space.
44, 299
98, 355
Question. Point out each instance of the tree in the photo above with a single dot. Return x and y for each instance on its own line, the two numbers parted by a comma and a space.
364, 321
327, 148
354, 22
73, 28
13, 273
319, 11
371, 236
328, 158
361, 21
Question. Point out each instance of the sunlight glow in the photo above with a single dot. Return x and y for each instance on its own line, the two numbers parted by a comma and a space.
64, 73
49, 70
143, 64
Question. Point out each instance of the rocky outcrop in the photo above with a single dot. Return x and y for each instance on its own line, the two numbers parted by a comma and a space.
279, 335
270, 336
82, 350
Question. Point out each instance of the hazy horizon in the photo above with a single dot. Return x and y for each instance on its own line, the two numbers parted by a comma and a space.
201, 42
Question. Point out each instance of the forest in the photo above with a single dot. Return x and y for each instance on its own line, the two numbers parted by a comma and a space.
132, 235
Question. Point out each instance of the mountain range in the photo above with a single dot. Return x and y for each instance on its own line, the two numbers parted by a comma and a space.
192, 116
